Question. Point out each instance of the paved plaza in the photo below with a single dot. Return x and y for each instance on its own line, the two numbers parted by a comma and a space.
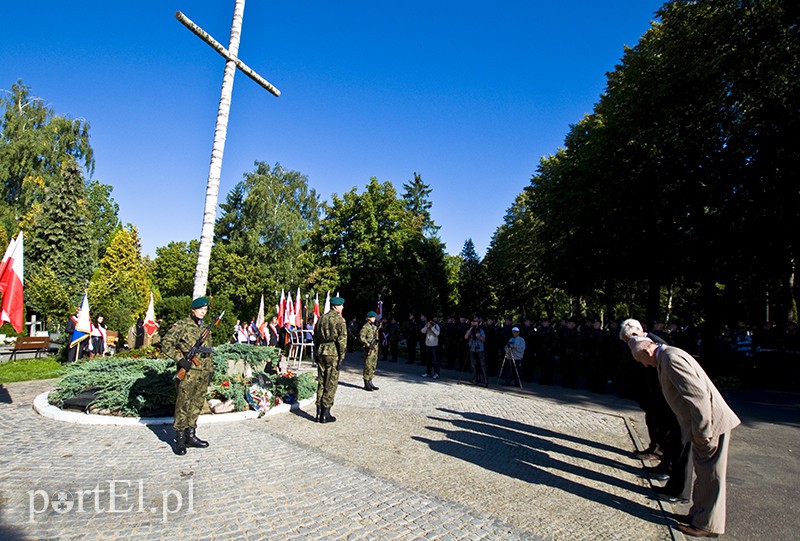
418, 459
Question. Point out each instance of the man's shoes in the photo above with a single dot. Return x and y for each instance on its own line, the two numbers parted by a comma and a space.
659, 476
180, 443
426, 375
367, 386
695, 532
436, 376
318, 418
683, 519
193, 441
666, 495
372, 386
326, 416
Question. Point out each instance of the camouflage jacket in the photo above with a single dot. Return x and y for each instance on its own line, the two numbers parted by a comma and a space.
330, 335
181, 337
369, 336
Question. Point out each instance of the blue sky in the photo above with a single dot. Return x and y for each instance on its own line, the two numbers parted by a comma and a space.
468, 94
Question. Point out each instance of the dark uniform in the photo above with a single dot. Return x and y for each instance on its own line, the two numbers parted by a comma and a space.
330, 343
192, 390
370, 341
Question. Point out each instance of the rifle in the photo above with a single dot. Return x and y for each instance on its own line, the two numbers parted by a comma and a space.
190, 358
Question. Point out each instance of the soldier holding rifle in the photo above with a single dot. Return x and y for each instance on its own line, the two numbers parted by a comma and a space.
194, 357
369, 337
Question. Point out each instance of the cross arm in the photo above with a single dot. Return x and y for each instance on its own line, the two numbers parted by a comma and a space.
217, 46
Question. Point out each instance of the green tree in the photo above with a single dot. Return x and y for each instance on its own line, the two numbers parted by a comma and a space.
60, 236
173, 268
416, 195
46, 296
120, 288
35, 142
102, 215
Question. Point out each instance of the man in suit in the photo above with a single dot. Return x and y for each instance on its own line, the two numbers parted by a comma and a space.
706, 422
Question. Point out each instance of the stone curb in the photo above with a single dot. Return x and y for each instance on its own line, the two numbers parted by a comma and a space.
45, 409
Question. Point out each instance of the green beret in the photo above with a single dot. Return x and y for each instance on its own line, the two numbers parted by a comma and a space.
337, 301
371, 314
199, 302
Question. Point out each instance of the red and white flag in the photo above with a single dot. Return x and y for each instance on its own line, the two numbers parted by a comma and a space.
288, 311
11, 285
281, 308
327, 303
379, 311
316, 310
260, 323
298, 311
150, 324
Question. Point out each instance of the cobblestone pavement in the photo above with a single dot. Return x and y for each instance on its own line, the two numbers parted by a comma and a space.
418, 459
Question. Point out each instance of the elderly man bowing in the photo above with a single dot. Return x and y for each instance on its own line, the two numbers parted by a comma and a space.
706, 421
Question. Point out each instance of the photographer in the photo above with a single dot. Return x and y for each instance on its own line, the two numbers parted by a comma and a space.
475, 338
431, 331
515, 351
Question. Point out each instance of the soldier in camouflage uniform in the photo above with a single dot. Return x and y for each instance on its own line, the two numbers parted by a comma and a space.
330, 344
192, 390
370, 340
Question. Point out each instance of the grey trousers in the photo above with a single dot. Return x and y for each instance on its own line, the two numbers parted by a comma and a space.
708, 497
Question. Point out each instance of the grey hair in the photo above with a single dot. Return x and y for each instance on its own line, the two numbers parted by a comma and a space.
638, 344
629, 329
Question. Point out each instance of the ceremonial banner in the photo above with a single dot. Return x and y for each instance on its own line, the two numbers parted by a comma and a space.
150, 325
11, 285
83, 327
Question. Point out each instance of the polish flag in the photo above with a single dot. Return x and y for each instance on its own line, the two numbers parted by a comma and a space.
281, 308
260, 323
11, 285
316, 309
379, 311
298, 311
327, 303
150, 324
288, 311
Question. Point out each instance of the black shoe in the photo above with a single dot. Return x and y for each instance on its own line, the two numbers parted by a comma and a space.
327, 417
683, 519
372, 386
318, 418
180, 443
193, 441
367, 386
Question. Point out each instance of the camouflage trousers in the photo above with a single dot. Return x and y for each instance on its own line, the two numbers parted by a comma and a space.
191, 398
370, 362
327, 380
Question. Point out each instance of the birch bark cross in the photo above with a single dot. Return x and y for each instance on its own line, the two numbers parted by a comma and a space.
220, 133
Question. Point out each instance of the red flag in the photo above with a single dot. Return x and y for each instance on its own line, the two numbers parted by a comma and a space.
379, 311
150, 324
11, 284
260, 323
281, 309
316, 309
298, 311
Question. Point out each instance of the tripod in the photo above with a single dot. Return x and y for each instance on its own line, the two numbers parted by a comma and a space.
514, 368
482, 376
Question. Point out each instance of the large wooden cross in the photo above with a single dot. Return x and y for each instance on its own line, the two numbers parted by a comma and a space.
220, 133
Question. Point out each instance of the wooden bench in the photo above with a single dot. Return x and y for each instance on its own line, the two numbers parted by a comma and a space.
31, 343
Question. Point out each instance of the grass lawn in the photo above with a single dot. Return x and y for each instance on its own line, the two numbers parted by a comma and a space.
30, 369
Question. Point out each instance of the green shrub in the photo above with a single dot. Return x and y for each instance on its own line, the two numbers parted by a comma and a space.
256, 357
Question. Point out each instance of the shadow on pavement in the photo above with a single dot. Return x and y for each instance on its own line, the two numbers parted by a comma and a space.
5, 397
525, 455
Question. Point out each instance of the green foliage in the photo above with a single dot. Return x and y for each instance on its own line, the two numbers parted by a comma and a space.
30, 369
120, 289
124, 386
149, 352
35, 142
256, 357
262, 236
174, 268
102, 216
171, 309
47, 297
225, 387
59, 237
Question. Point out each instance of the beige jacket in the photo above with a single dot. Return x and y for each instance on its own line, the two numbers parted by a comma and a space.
698, 405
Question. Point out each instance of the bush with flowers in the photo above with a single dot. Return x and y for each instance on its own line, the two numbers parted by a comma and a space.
128, 384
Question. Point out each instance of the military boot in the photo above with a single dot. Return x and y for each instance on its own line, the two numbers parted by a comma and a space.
318, 418
193, 441
180, 443
367, 386
327, 417
372, 386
